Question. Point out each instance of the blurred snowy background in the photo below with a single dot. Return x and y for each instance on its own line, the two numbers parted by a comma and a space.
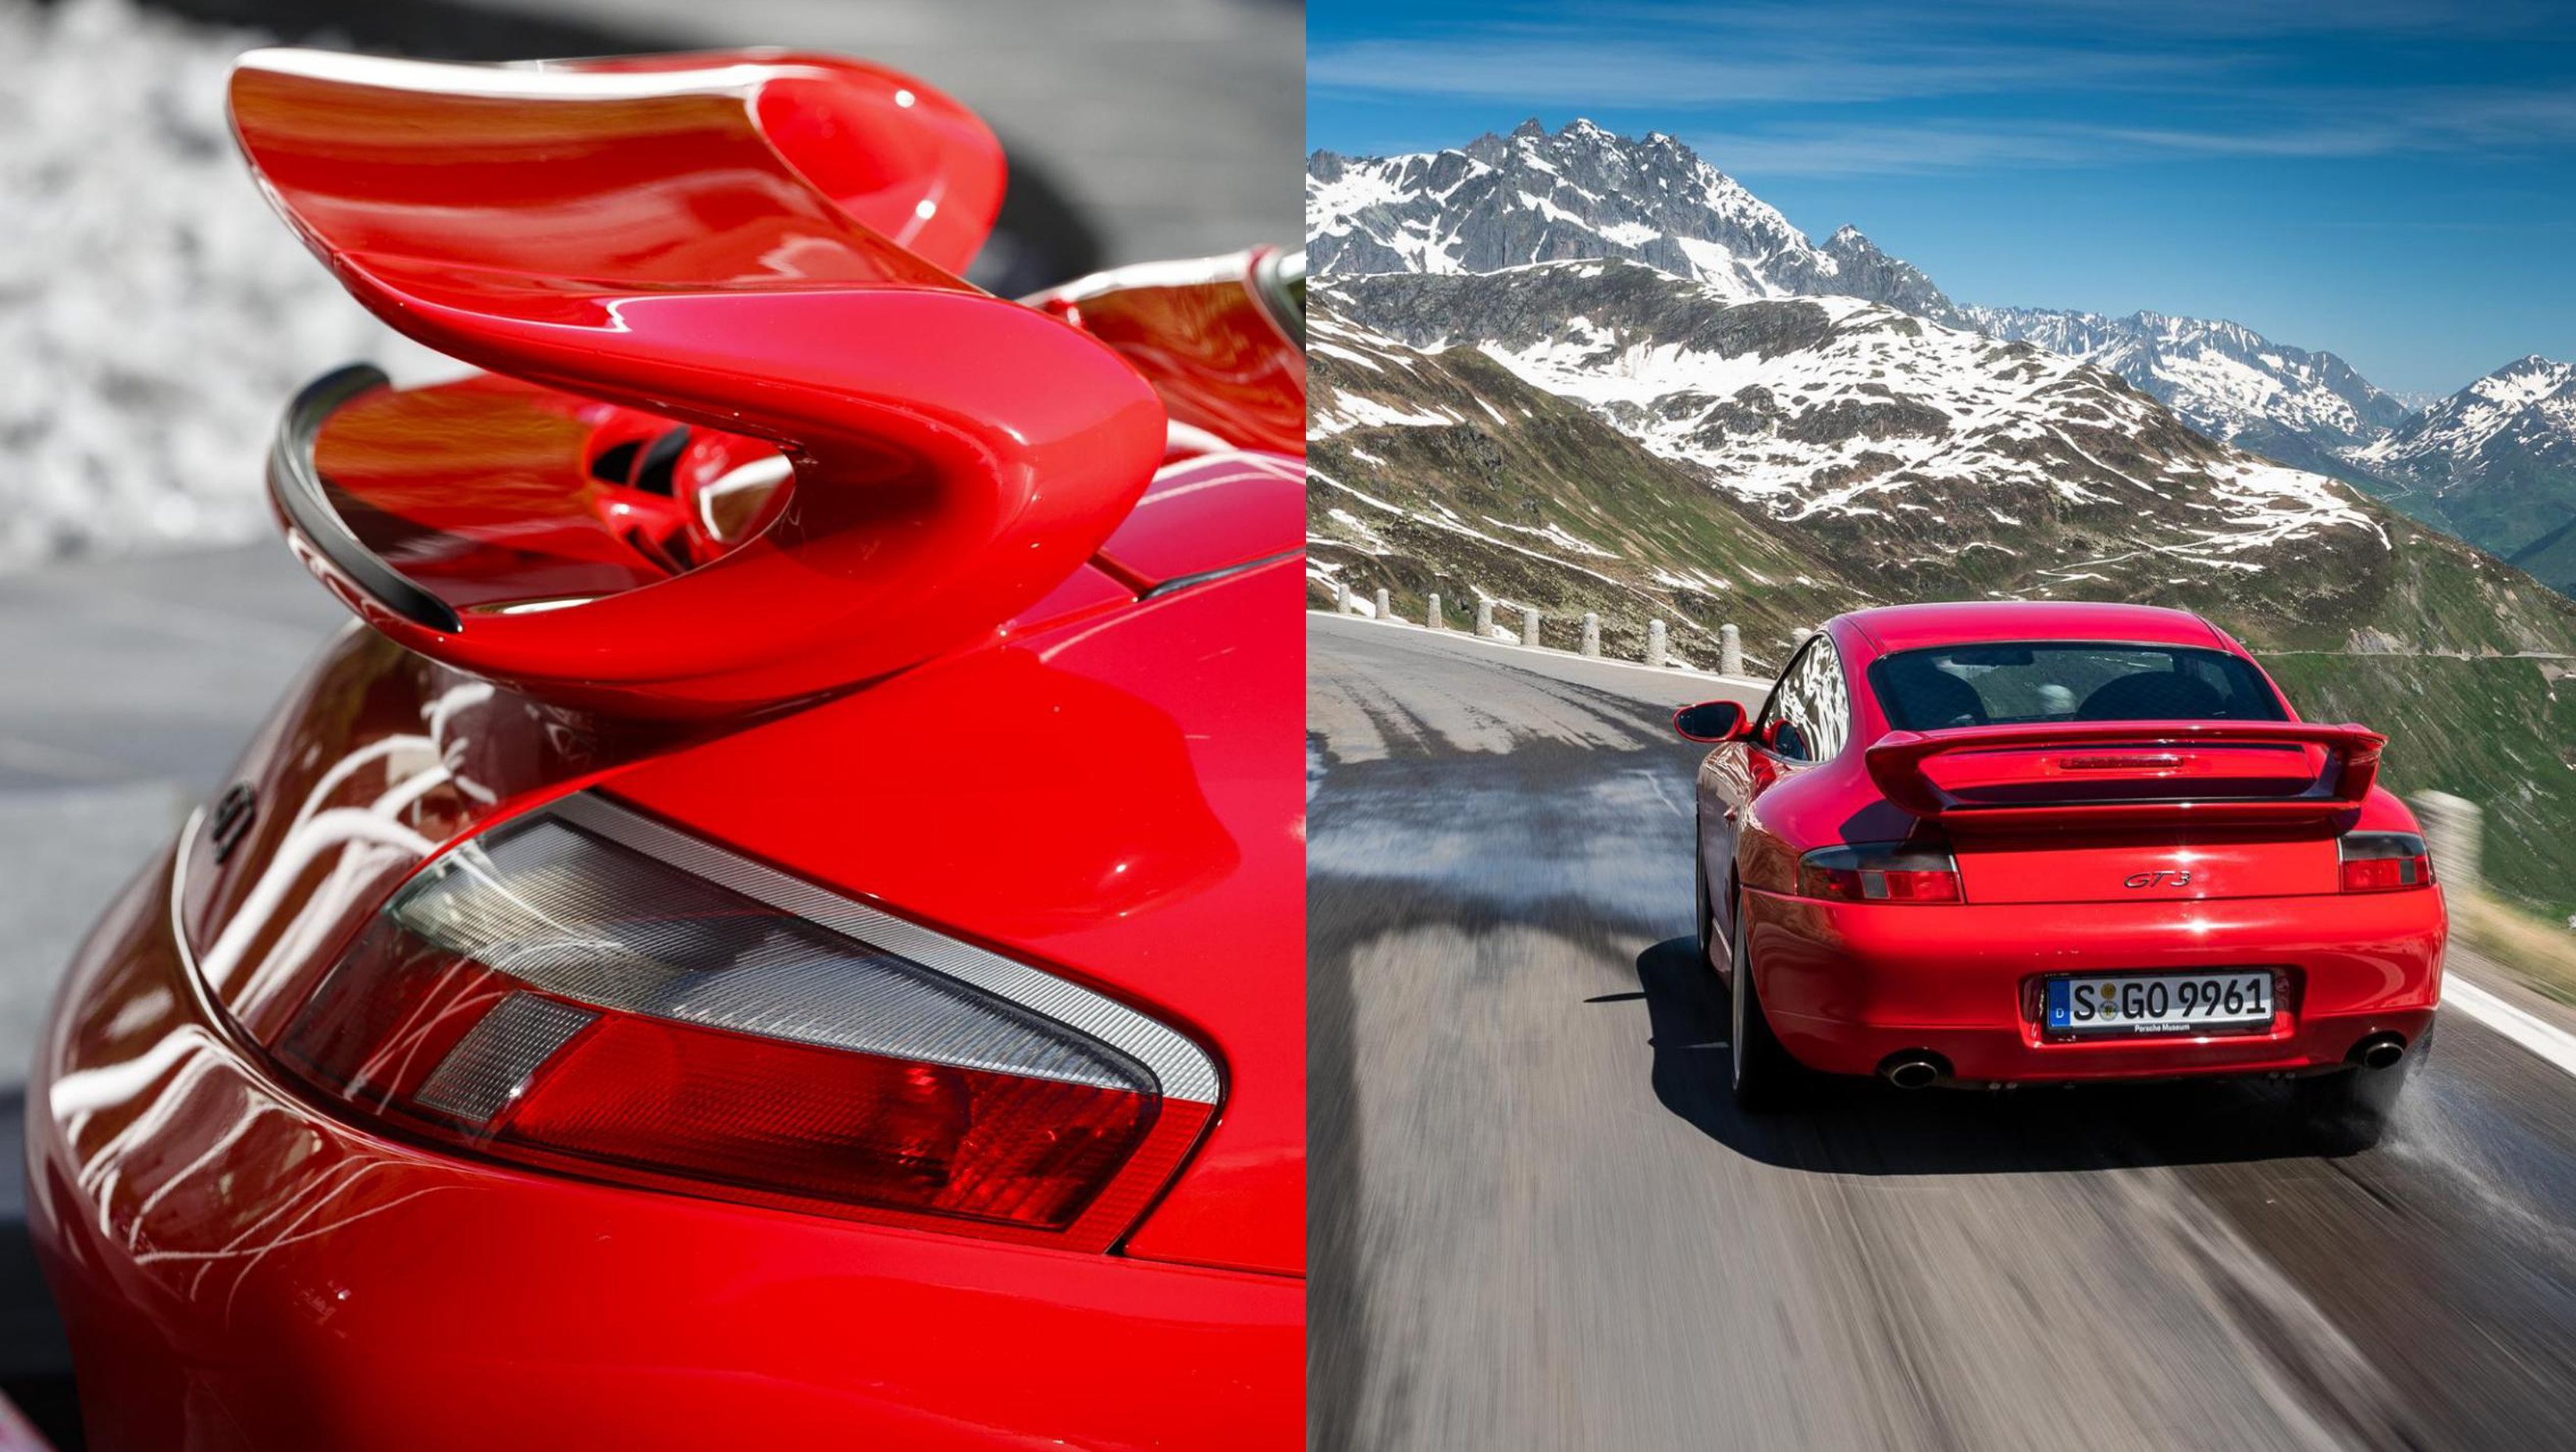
153, 312
154, 315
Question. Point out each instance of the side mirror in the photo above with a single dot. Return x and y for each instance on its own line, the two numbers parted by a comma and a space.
1710, 721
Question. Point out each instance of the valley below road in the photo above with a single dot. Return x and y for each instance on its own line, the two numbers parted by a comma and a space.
1538, 1221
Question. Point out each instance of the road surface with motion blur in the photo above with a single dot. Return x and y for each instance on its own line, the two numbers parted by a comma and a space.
1538, 1222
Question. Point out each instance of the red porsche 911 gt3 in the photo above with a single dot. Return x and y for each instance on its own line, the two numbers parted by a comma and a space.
2017, 843
783, 926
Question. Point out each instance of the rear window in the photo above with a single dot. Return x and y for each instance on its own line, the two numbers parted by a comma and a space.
1995, 685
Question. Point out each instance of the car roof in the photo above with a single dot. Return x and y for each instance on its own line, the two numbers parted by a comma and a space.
1976, 622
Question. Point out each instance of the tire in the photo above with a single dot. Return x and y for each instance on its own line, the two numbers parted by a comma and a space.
1766, 1079
1699, 881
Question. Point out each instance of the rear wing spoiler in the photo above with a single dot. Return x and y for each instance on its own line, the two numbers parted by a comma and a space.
763, 244
2128, 772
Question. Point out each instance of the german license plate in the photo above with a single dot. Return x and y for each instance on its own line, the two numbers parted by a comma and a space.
2131, 1004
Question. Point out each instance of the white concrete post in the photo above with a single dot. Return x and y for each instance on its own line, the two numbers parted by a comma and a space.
1529, 625
1342, 596
1382, 612
1656, 653
1591, 633
1431, 617
2452, 827
1730, 651
1484, 620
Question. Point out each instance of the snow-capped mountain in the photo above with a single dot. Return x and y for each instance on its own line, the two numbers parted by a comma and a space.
2498, 458
1918, 459
1582, 192
2304, 408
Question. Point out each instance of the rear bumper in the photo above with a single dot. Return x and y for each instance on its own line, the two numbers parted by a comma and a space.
238, 1269
1846, 985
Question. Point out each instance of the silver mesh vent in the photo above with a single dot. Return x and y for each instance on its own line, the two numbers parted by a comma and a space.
596, 903
493, 1063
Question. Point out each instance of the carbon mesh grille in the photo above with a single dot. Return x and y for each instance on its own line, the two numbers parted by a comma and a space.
496, 1058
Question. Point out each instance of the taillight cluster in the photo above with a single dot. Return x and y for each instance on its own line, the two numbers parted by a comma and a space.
586, 990
1882, 872
2384, 862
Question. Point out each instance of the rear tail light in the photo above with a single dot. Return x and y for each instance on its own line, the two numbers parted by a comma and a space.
1879, 873
585, 990
2385, 862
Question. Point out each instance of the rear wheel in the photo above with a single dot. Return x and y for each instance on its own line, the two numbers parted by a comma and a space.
1766, 1078
1699, 881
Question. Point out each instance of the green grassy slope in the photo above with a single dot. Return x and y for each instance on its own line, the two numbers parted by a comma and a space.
1530, 498
2498, 731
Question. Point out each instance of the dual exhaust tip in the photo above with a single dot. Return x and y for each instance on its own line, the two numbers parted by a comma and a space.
1921, 1068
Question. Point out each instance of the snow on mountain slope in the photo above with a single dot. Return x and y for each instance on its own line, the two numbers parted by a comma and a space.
1585, 193
1856, 418
2225, 379
2499, 456
1504, 201
1447, 472
1753, 459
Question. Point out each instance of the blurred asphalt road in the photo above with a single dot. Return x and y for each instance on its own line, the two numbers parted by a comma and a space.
131, 687
1539, 1222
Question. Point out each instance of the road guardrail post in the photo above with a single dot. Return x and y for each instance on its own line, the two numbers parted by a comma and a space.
1484, 620
1730, 651
1382, 612
1591, 633
1656, 649
1342, 597
1431, 616
1529, 625
2452, 827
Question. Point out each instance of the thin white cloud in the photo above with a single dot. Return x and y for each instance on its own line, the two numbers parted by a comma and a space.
2285, 125
1552, 67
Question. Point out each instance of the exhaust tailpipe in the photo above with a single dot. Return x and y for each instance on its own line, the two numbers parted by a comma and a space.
2381, 1051
1912, 1070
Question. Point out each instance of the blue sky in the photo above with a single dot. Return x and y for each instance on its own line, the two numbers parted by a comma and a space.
2390, 180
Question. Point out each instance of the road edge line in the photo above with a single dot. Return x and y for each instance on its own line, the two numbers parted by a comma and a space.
2532, 1032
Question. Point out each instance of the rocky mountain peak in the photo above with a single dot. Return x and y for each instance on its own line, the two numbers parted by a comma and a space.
2529, 376
1581, 192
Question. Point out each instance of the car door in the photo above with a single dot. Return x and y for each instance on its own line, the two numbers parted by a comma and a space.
1806, 721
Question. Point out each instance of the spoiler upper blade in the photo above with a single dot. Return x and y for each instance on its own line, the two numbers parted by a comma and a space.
761, 244
1897, 760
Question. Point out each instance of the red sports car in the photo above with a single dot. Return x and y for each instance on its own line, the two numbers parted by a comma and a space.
2015, 843
784, 925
